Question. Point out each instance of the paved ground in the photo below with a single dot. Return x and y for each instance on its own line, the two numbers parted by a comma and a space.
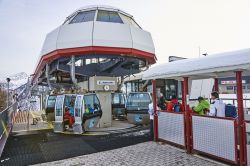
145, 154
33, 147
131, 147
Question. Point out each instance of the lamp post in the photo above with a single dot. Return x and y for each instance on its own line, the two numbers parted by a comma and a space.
8, 85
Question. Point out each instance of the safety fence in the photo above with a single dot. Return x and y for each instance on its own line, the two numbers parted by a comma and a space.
171, 127
247, 129
21, 117
212, 136
6, 118
216, 137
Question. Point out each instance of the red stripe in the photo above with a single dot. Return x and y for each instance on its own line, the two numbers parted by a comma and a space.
91, 49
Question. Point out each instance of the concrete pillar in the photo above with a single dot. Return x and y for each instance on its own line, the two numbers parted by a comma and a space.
105, 101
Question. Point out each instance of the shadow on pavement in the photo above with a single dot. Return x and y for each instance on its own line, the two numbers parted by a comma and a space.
44, 146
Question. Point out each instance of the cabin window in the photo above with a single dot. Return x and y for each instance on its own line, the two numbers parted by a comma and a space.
78, 106
83, 17
59, 105
230, 87
118, 98
138, 101
51, 101
129, 21
92, 103
108, 16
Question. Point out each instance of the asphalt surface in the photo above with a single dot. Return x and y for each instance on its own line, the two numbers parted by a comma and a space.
45, 146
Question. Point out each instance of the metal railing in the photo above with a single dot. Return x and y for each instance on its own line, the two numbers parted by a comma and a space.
6, 123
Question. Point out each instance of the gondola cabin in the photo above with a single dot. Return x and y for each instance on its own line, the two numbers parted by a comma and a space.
50, 107
76, 113
137, 107
118, 105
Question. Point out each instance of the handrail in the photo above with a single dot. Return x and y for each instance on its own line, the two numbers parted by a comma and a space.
6, 124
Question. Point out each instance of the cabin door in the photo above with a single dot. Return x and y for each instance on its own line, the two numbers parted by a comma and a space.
59, 111
77, 127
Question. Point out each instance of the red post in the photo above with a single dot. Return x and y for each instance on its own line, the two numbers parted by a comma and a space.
155, 111
242, 133
187, 116
182, 90
216, 85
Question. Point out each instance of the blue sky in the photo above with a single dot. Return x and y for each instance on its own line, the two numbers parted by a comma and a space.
178, 27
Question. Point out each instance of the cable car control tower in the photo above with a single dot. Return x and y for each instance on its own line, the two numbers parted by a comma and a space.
94, 46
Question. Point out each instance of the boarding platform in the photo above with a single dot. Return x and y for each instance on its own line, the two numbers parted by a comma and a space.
40, 146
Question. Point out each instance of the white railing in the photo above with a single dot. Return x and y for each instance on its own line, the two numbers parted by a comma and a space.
248, 141
215, 137
171, 127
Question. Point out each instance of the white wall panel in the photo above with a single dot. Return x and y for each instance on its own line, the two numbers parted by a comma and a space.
202, 88
142, 40
75, 35
214, 136
112, 35
171, 127
49, 44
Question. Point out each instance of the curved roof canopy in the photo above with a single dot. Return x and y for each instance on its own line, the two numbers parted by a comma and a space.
106, 41
211, 66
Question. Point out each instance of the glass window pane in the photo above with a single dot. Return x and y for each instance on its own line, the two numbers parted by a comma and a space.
134, 24
59, 105
92, 104
114, 17
51, 101
138, 101
102, 16
96, 104
230, 87
78, 18
78, 106
125, 19
83, 17
89, 16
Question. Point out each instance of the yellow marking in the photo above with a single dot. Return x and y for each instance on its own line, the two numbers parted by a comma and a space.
5, 129
50, 125
30, 130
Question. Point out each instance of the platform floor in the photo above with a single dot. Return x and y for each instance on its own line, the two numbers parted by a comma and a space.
146, 154
28, 125
39, 146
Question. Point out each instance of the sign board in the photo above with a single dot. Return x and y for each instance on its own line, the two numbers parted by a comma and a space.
105, 82
231, 82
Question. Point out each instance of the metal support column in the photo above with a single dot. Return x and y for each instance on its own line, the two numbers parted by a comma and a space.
72, 70
8, 92
216, 85
155, 111
47, 75
187, 116
242, 133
